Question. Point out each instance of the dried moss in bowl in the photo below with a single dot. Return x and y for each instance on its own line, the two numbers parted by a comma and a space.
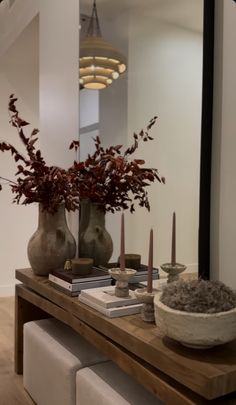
199, 296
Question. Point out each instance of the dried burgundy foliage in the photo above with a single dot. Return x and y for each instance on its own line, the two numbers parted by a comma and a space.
107, 177
35, 181
112, 179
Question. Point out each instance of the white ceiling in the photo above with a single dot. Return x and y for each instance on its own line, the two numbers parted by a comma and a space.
185, 13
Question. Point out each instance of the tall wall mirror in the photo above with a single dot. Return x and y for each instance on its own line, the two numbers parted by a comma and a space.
162, 41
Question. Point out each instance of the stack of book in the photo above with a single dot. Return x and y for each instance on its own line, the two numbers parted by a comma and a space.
103, 299
141, 274
71, 284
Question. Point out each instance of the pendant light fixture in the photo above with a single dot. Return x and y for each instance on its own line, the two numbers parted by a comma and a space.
100, 62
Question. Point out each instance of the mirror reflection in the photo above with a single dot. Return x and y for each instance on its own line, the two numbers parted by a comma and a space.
161, 41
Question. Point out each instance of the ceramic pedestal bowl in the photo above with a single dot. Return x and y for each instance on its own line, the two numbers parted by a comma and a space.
196, 330
122, 278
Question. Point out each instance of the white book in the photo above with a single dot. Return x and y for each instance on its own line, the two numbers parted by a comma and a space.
78, 286
105, 297
64, 290
158, 284
143, 277
112, 312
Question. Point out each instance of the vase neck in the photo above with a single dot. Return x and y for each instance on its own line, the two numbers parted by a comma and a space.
84, 215
49, 220
97, 214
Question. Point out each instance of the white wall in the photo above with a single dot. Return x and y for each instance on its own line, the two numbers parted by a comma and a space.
18, 74
13, 20
113, 101
59, 84
89, 107
223, 221
165, 79
58, 93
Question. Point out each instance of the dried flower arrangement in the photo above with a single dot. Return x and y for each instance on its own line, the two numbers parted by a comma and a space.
108, 177
50, 186
199, 296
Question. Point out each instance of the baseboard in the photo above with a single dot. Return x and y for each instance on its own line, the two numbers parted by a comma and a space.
7, 290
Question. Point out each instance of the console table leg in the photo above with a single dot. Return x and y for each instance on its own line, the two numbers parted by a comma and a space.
24, 312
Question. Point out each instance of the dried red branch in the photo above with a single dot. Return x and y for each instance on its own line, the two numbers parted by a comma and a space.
106, 176
37, 182
113, 180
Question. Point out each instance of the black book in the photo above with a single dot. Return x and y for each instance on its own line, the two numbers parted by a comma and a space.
143, 270
96, 274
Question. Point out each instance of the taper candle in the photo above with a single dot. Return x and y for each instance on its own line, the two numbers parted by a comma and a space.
150, 263
122, 243
173, 247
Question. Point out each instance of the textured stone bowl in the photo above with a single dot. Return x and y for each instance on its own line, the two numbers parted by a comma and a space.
199, 331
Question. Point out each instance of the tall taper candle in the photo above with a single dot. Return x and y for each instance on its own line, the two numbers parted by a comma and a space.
122, 243
150, 263
173, 247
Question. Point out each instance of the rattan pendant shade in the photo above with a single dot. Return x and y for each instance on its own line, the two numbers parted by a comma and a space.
100, 62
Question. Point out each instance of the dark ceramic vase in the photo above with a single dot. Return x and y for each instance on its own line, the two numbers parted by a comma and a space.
94, 240
52, 243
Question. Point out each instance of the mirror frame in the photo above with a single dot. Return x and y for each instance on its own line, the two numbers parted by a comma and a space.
206, 140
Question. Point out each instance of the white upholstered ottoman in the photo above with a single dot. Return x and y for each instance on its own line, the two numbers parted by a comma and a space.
53, 352
107, 384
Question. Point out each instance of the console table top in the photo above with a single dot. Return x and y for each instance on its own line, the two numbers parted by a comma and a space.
208, 373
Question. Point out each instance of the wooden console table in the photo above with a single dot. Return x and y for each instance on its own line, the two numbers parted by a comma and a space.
174, 374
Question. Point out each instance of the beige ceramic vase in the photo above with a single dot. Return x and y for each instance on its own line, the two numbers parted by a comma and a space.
94, 240
52, 243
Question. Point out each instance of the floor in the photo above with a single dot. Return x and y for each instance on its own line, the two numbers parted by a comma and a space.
11, 386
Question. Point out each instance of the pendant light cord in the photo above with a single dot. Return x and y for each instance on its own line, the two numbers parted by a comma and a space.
94, 29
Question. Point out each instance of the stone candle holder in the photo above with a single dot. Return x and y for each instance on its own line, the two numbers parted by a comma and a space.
147, 312
173, 271
122, 278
